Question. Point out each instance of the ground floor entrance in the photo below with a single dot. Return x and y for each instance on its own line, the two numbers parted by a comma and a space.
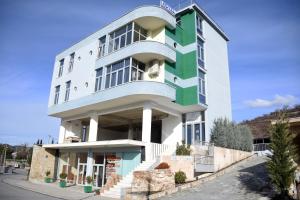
100, 164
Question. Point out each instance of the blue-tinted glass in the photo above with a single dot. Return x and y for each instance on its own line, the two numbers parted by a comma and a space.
126, 77
189, 134
197, 133
203, 131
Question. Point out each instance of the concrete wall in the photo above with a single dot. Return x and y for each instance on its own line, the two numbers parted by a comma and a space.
105, 134
182, 163
42, 161
217, 77
224, 157
171, 132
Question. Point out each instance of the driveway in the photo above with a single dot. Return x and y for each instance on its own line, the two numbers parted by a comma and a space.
247, 181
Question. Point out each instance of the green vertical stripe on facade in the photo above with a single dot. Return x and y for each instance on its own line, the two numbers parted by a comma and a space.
185, 33
185, 66
185, 96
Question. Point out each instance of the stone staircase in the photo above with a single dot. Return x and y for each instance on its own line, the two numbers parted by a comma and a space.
118, 190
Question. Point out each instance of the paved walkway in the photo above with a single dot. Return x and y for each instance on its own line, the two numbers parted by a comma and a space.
247, 181
16, 187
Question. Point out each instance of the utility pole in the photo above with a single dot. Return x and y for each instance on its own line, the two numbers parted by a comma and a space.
5, 147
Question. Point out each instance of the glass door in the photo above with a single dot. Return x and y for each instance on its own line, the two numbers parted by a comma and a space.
98, 175
81, 173
193, 133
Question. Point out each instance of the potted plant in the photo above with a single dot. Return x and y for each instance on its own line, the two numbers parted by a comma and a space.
97, 191
62, 182
47, 178
88, 188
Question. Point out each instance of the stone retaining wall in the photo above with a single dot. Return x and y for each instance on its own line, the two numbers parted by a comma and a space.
181, 163
148, 182
224, 157
42, 161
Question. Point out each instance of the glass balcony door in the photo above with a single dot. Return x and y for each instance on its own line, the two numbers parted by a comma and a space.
193, 133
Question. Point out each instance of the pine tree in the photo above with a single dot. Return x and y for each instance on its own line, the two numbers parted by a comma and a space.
280, 167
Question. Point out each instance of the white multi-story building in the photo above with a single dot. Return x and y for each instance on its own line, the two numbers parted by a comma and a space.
131, 91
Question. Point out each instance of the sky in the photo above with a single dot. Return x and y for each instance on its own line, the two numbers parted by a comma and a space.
264, 55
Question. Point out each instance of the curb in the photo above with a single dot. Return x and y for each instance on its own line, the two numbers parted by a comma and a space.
199, 181
31, 190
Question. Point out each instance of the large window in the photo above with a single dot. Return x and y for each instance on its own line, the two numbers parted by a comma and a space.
139, 33
124, 36
99, 75
137, 70
101, 49
117, 73
68, 87
71, 63
194, 128
61, 67
199, 25
200, 52
56, 96
201, 79
120, 38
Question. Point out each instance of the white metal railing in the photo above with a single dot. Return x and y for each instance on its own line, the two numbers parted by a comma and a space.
261, 147
160, 149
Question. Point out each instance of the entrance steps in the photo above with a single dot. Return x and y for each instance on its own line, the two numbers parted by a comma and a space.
118, 190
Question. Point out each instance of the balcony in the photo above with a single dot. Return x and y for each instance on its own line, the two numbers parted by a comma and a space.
125, 94
144, 51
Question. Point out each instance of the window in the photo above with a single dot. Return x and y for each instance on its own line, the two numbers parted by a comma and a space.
139, 33
99, 73
203, 125
200, 52
120, 38
137, 70
61, 67
56, 96
199, 25
101, 49
71, 63
117, 73
67, 94
201, 87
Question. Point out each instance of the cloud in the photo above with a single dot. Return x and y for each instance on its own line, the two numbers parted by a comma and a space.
277, 101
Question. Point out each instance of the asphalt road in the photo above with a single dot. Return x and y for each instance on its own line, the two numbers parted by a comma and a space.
9, 192
247, 181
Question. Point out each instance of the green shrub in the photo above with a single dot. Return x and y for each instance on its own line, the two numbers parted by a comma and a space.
180, 177
63, 176
89, 179
163, 165
183, 150
230, 135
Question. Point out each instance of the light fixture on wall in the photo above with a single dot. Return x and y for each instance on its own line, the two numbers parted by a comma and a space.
75, 88
86, 84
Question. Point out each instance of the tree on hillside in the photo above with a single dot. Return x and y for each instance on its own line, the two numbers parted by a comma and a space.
280, 168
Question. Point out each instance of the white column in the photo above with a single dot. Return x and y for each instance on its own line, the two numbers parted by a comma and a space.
62, 132
146, 127
89, 163
93, 128
146, 130
130, 131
